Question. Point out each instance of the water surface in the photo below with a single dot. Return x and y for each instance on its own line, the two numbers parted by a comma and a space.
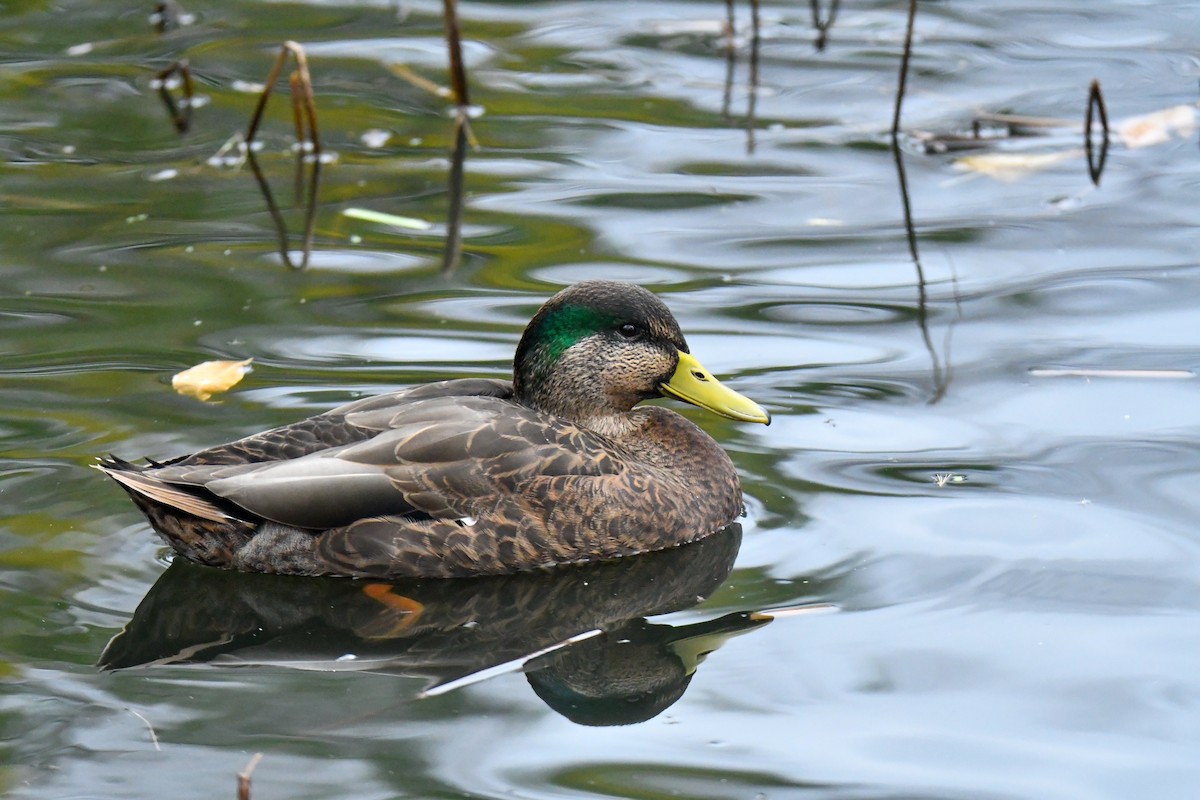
986, 464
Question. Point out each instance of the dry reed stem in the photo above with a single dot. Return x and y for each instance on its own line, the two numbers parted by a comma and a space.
458, 72
244, 777
904, 59
301, 83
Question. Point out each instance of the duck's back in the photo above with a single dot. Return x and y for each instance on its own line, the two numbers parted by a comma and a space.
352, 422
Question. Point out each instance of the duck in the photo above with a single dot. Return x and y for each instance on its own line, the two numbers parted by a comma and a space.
473, 476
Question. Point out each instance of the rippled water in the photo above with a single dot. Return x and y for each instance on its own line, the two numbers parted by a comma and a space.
987, 464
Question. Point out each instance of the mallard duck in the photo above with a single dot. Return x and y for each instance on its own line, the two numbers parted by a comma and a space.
473, 476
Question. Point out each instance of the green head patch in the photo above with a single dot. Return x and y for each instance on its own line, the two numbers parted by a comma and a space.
566, 325
550, 334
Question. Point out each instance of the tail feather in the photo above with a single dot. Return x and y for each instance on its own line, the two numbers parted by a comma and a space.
134, 480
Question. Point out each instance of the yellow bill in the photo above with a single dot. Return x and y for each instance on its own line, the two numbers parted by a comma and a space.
692, 383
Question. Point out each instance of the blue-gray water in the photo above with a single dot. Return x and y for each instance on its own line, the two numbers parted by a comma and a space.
993, 478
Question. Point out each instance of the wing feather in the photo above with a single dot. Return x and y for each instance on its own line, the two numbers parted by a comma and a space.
440, 457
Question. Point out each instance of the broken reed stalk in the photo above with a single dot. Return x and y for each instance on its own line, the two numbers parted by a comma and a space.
244, 777
458, 73
149, 727
908, 37
301, 83
1095, 108
181, 113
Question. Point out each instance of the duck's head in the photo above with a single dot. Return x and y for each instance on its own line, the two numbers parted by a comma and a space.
599, 348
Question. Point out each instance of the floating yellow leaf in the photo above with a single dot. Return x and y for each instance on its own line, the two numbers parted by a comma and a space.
367, 215
1013, 166
212, 377
1157, 128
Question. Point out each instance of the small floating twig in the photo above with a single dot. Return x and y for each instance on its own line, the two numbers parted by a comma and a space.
1022, 124
149, 727
1095, 108
458, 90
404, 73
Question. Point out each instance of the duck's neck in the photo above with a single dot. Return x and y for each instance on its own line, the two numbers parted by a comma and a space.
579, 396
663, 438
619, 427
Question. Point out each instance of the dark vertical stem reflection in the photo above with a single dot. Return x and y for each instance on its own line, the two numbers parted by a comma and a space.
277, 219
941, 379
1095, 107
181, 113
730, 57
822, 24
752, 103
454, 192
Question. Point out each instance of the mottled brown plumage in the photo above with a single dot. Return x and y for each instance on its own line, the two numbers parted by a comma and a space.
473, 477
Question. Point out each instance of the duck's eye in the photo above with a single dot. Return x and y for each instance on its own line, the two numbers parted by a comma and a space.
630, 331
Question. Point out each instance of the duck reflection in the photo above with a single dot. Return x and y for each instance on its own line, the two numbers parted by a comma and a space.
580, 634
